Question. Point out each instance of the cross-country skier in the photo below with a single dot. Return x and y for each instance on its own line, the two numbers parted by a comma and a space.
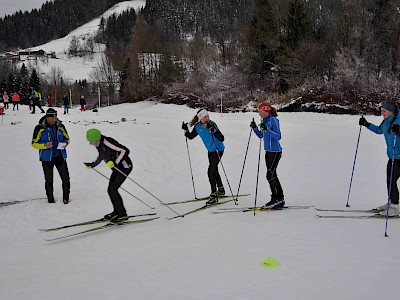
213, 140
35, 101
271, 133
65, 103
389, 127
115, 156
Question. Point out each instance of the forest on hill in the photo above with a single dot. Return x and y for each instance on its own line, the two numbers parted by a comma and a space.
199, 51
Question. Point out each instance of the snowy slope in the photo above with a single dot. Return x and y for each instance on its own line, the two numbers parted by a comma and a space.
204, 255
79, 67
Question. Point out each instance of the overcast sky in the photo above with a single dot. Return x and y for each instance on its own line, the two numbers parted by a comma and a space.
8, 7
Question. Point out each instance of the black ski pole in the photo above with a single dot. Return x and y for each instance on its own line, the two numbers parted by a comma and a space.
145, 190
258, 172
244, 162
190, 164
227, 180
124, 189
390, 186
354, 164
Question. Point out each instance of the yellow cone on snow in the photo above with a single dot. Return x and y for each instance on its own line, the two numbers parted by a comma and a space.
269, 263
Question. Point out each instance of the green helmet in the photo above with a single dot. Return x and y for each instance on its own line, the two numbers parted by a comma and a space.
93, 135
123, 120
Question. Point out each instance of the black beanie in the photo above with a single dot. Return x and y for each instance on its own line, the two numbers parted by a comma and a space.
51, 112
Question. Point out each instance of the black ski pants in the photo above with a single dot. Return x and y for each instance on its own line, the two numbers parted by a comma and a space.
394, 194
48, 167
272, 160
213, 176
38, 105
116, 180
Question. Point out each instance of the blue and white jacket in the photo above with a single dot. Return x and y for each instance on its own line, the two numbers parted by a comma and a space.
272, 135
389, 137
43, 134
210, 139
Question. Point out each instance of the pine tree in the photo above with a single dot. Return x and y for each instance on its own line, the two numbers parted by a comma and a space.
262, 39
34, 81
23, 71
298, 24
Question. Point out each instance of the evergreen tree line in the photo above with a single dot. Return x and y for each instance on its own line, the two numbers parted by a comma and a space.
53, 20
20, 80
349, 49
340, 49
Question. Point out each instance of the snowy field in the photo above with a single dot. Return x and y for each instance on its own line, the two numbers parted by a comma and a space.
204, 255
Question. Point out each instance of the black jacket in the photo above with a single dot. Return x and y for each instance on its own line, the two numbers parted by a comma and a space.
110, 150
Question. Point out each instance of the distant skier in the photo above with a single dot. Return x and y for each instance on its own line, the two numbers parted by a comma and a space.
65, 103
271, 133
116, 156
389, 128
6, 100
82, 102
49, 101
213, 141
35, 101
51, 138
16, 99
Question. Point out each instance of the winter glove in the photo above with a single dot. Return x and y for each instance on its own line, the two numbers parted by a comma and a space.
396, 128
88, 165
211, 127
110, 164
253, 124
263, 127
363, 122
185, 126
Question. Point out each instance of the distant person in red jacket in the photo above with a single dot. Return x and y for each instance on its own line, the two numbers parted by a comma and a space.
49, 100
16, 99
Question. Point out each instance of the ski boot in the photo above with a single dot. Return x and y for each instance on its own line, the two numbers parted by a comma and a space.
119, 218
111, 215
221, 191
274, 204
213, 199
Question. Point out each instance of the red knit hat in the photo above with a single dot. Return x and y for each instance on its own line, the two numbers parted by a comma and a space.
264, 107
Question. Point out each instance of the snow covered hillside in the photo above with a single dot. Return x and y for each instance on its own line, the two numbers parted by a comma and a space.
76, 68
203, 255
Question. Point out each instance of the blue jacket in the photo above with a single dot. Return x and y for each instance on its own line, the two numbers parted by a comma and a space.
210, 139
272, 135
389, 137
43, 134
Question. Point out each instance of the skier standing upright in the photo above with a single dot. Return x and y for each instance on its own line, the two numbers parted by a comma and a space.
15, 100
389, 128
6, 99
271, 133
82, 102
65, 103
213, 141
116, 156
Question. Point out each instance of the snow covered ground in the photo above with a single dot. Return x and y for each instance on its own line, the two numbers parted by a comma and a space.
78, 67
204, 255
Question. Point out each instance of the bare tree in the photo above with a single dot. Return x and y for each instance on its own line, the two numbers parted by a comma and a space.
73, 46
105, 74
